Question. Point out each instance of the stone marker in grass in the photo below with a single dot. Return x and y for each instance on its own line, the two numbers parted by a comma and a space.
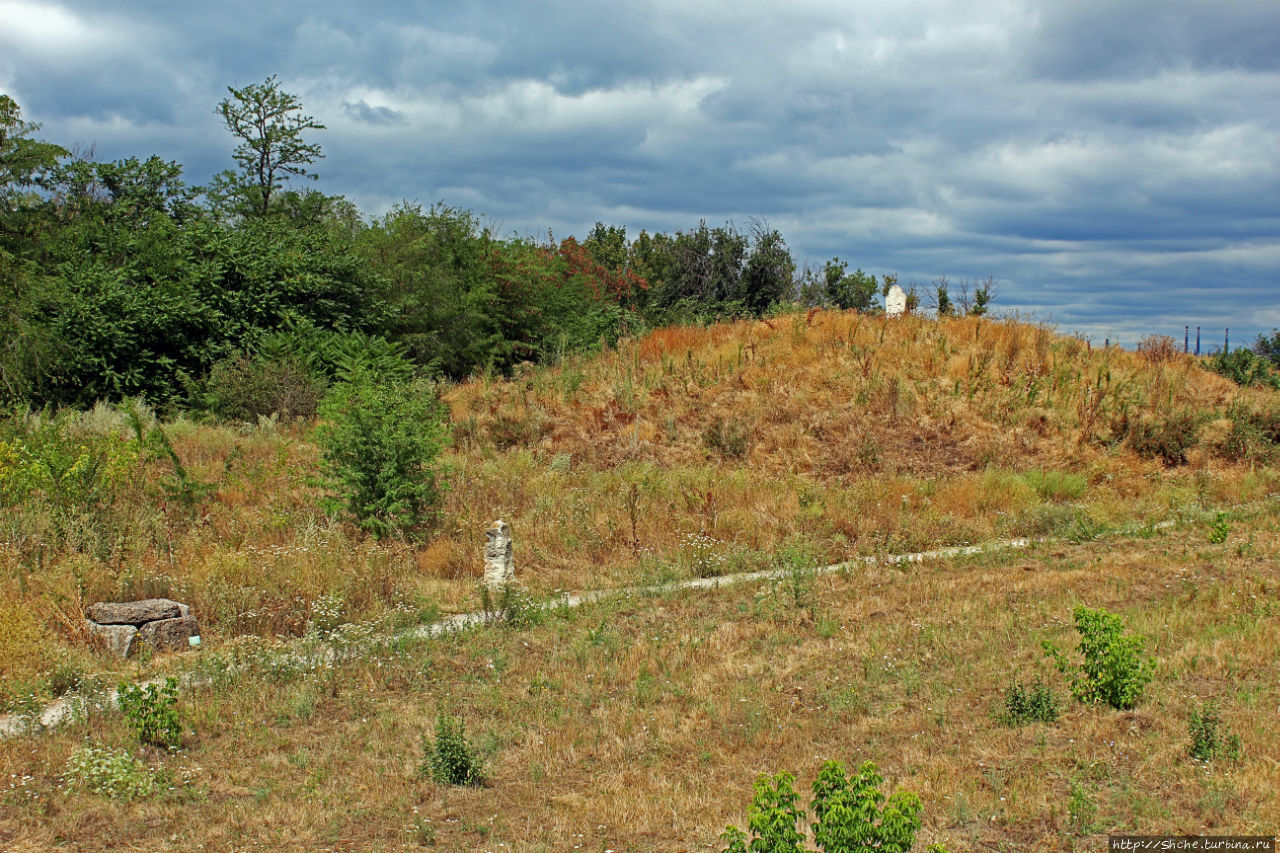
163, 624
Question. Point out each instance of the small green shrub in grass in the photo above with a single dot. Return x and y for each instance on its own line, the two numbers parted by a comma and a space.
849, 814
110, 773
1113, 668
380, 441
1029, 704
450, 759
1208, 741
1220, 530
152, 712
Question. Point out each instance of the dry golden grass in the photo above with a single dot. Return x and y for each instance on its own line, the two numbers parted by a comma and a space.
639, 724
817, 436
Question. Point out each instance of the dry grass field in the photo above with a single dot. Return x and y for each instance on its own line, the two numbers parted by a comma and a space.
640, 723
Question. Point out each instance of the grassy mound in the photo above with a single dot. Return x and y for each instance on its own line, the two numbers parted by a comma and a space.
689, 451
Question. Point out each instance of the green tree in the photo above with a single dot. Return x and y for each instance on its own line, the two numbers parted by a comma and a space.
1114, 668
1268, 346
25, 345
846, 290
941, 297
380, 441
767, 276
270, 124
21, 158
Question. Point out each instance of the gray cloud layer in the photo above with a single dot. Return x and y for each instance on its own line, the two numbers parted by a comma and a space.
1115, 165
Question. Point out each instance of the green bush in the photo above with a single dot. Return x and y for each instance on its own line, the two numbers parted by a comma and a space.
1168, 439
1207, 740
849, 814
1220, 529
380, 441
1245, 367
450, 759
1113, 668
1029, 704
243, 388
1082, 811
152, 712
110, 773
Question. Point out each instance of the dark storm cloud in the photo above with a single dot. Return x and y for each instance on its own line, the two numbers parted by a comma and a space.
360, 111
1114, 164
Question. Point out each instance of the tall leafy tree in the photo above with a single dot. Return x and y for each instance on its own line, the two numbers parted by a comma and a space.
25, 345
270, 125
21, 158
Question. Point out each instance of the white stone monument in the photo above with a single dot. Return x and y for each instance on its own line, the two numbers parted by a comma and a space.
499, 566
895, 302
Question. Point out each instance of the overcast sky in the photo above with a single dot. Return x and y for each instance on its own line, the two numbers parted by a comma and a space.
1115, 165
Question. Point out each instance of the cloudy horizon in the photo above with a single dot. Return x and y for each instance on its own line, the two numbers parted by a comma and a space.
1115, 166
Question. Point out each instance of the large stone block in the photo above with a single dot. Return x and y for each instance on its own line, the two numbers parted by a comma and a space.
170, 635
133, 612
118, 638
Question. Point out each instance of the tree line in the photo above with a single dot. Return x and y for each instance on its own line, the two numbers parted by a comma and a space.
119, 279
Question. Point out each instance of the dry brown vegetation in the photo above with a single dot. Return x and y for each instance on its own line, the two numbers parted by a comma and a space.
640, 724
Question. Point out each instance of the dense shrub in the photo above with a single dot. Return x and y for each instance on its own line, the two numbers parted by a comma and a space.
380, 441
449, 758
243, 388
152, 713
1029, 704
1113, 669
1245, 367
1168, 438
849, 814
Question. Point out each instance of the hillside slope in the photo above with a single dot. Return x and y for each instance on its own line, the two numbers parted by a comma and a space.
688, 451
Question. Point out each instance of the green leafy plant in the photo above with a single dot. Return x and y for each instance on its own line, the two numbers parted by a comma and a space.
849, 814
1220, 530
110, 773
1081, 810
380, 442
1113, 668
449, 758
1208, 739
152, 712
1246, 367
1029, 704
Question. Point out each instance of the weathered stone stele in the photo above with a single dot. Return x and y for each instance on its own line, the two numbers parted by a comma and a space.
895, 302
499, 565
133, 612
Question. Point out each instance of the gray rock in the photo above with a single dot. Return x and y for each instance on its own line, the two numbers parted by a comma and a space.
133, 612
118, 638
170, 635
